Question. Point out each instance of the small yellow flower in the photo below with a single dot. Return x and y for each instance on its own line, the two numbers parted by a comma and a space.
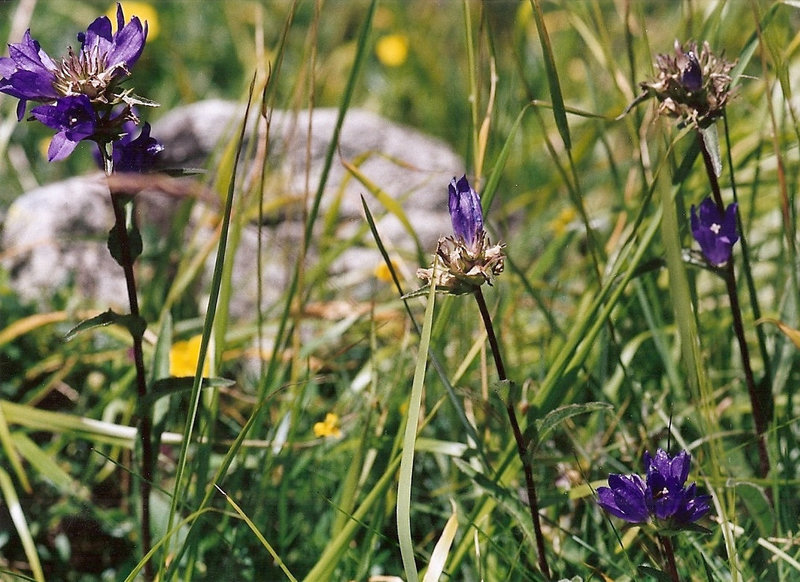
382, 272
328, 427
560, 223
146, 13
392, 50
183, 358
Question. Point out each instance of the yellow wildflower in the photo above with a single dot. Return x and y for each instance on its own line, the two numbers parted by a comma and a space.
183, 358
560, 223
328, 427
146, 13
382, 272
392, 50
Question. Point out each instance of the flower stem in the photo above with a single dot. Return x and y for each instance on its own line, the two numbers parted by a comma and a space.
145, 426
759, 400
522, 446
668, 553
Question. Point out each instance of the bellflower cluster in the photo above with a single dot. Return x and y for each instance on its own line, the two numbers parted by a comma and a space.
80, 94
692, 86
467, 259
660, 495
716, 233
136, 154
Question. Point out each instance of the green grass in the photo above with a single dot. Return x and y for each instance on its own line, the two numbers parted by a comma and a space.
617, 316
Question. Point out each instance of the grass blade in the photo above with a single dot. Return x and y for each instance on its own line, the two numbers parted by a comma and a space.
442, 548
21, 525
258, 534
557, 99
407, 459
208, 325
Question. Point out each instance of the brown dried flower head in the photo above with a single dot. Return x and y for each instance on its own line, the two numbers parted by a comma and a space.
692, 86
459, 268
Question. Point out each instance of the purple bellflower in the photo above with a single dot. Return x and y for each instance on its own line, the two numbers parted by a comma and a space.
467, 259
73, 117
715, 232
84, 83
465, 211
29, 74
136, 155
660, 495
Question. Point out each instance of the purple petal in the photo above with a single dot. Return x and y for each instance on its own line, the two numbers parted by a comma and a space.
98, 36
647, 461
35, 85
27, 73
709, 213
29, 56
120, 17
692, 74
717, 252
60, 147
729, 223
692, 508
679, 466
673, 469
128, 44
21, 109
610, 500
465, 211
625, 498
664, 498
7, 66
605, 499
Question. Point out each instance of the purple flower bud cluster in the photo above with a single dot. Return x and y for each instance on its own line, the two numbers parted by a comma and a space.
80, 95
714, 231
661, 494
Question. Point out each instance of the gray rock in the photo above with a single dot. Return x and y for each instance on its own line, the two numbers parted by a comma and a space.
56, 234
53, 235
406, 164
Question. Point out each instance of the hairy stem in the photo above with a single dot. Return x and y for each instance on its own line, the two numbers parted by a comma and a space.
759, 400
522, 446
145, 425
668, 553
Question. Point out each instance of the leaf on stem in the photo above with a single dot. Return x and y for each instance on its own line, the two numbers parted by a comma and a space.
555, 417
711, 141
134, 324
170, 386
116, 242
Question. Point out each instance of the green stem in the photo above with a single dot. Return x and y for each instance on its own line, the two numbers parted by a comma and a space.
522, 447
759, 407
145, 425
